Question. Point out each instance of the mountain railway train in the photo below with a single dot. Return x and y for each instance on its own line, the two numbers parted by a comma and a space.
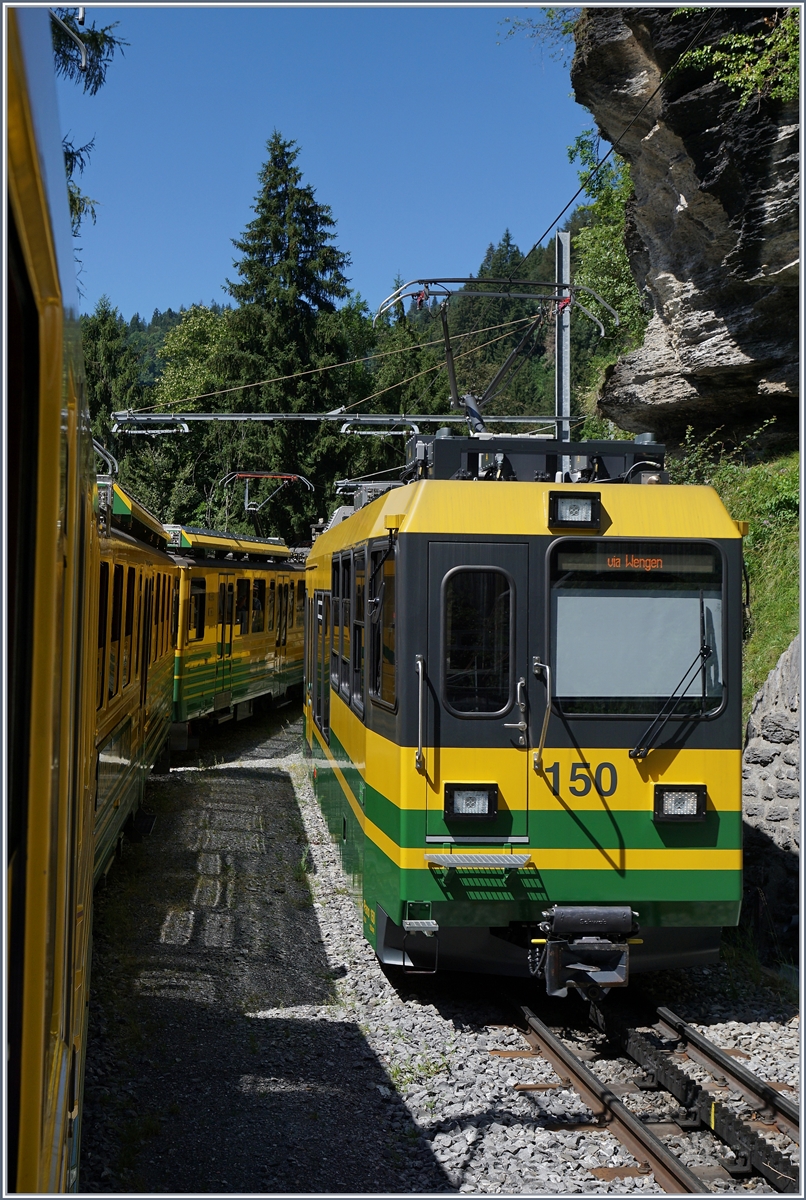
242, 634
523, 710
99, 621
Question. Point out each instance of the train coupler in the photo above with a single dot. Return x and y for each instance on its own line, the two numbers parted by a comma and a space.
583, 946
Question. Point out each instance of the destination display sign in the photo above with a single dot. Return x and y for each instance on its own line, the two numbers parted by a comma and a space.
637, 558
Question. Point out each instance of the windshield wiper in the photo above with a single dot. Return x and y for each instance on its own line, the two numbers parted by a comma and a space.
645, 744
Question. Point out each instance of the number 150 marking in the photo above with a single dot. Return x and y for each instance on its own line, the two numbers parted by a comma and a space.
580, 782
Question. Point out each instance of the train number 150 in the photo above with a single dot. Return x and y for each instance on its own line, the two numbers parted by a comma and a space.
604, 779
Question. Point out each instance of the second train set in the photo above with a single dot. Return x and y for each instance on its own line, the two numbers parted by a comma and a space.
523, 710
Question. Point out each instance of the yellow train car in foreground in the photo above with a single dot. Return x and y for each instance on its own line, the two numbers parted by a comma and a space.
50, 595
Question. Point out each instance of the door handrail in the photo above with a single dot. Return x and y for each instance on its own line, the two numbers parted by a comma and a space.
419, 666
538, 666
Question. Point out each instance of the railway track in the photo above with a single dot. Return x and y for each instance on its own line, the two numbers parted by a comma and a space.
666, 1054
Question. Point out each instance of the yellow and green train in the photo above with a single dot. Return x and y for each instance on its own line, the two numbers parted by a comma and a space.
241, 602
523, 710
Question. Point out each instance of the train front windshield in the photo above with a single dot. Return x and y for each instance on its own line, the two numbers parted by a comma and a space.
628, 622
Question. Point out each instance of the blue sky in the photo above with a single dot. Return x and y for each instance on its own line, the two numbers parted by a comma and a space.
426, 132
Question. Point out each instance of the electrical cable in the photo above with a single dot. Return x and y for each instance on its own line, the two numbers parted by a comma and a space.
332, 366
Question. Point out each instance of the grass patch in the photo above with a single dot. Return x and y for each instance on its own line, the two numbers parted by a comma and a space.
767, 496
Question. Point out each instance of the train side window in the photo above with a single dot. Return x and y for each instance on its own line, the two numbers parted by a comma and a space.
258, 604
113, 676
139, 622
103, 604
128, 627
155, 647
359, 578
346, 586
166, 613
282, 613
300, 601
270, 622
321, 636
335, 621
196, 609
291, 605
175, 615
383, 667
242, 605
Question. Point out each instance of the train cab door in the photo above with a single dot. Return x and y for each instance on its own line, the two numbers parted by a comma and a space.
474, 698
226, 616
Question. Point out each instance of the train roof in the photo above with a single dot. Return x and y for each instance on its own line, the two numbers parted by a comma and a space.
134, 518
211, 543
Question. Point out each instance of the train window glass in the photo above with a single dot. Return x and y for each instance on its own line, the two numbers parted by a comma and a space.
196, 607
155, 648
139, 622
324, 690
258, 604
382, 626
659, 602
477, 631
113, 677
333, 629
346, 571
359, 576
103, 603
282, 613
128, 627
242, 606
166, 612
291, 606
175, 615
270, 622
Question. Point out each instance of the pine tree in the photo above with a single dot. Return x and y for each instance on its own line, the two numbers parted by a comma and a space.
111, 366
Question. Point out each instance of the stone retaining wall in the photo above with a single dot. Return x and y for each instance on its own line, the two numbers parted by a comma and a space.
771, 803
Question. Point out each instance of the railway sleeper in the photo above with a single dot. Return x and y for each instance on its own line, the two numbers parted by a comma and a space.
700, 1109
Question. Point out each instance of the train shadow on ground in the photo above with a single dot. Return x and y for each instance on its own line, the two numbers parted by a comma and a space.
216, 1059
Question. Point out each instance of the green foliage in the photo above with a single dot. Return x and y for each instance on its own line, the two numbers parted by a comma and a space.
111, 367
600, 256
761, 62
767, 496
552, 29
100, 45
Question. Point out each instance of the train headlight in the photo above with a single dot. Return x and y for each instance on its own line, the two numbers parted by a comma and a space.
682, 802
575, 510
471, 801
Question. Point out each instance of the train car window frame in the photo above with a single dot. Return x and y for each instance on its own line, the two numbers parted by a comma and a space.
197, 608
291, 606
128, 628
302, 593
242, 606
345, 662
646, 713
357, 664
175, 615
139, 623
321, 663
155, 633
103, 614
115, 629
477, 569
383, 601
335, 621
258, 604
272, 606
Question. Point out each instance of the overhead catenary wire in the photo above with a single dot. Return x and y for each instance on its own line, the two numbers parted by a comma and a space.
583, 187
336, 366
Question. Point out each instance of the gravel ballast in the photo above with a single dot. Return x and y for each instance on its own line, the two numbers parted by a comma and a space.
243, 1037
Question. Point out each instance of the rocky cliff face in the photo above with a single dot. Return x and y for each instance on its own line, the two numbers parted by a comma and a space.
712, 231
